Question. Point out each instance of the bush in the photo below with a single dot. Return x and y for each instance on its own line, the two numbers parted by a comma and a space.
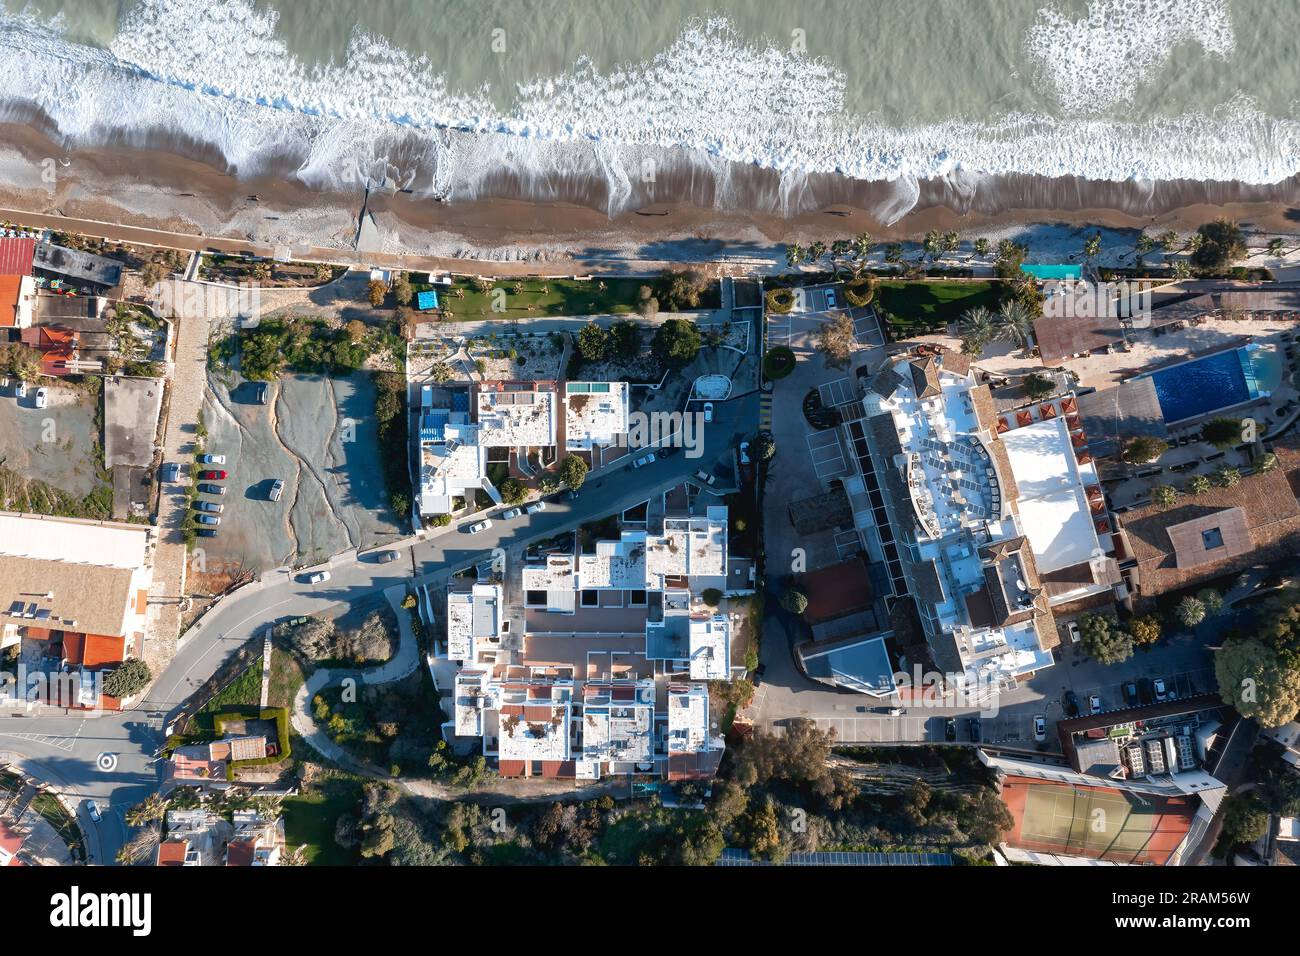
676, 343
513, 491
129, 679
376, 292
1144, 449
1189, 612
1103, 639
440, 521
1037, 386
711, 596
1222, 432
796, 602
860, 292
778, 362
1211, 599
573, 471
1145, 630
1164, 495
780, 301
1225, 476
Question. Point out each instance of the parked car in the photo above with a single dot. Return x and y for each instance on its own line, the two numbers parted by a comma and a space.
1161, 691
93, 809
1040, 728
571, 495
212, 476
667, 451
262, 395
211, 459
171, 472
42, 397
535, 507
1072, 628
319, 577
973, 727
744, 453
211, 507
831, 301
20, 390
511, 514
277, 489
644, 460
480, 526
213, 489
708, 411
386, 557
705, 477
1094, 704
950, 729
207, 532
1070, 704
212, 520
1131, 694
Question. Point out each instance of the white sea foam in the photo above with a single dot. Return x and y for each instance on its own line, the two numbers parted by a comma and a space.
219, 74
1099, 60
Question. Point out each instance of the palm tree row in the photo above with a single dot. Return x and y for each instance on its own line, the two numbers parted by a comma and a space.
1013, 323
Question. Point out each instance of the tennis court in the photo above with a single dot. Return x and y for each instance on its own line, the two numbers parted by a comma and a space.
1096, 822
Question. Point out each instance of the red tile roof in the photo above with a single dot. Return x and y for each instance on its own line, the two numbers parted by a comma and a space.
16, 256
10, 289
172, 852
240, 853
93, 650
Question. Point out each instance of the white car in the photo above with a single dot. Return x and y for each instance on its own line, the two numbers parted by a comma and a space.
1072, 628
708, 411
93, 810
20, 390
42, 398
1040, 728
511, 514
535, 507
644, 460
320, 577
1162, 692
481, 526
744, 453
212, 459
1094, 704
831, 301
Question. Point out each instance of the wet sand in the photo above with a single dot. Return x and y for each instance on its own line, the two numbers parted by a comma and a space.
196, 193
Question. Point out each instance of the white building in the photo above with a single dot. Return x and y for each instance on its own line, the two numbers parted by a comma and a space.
595, 414
474, 624
694, 752
453, 462
516, 414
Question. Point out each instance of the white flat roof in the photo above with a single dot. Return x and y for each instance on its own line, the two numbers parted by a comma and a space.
595, 413
73, 542
516, 418
1053, 507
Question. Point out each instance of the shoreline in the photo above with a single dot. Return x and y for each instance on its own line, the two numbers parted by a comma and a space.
159, 189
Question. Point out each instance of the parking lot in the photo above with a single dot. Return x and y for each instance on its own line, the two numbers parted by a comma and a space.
827, 455
318, 435
812, 305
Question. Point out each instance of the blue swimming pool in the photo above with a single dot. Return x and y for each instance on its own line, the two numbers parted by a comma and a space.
1204, 385
1053, 272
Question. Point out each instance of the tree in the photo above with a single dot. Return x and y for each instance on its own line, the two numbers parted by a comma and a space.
793, 254
976, 328
1222, 432
376, 292
1144, 449
440, 374
1225, 476
862, 245
128, 680
763, 447
513, 491
20, 361
356, 330
894, 253
1219, 244
1145, 629
593, 342
676, 343
1169, 241
1253, 679
1037, 386
149, 810
1198, 485
1211, 599
1144, 244
711, 596
982, 247
1092, 246
1189, 612
1267, 462
1103, 640
1245, 820
1164, 496
573, 471
951, 242
1015, 323
796, 602
836, 340
678, 290
402, 290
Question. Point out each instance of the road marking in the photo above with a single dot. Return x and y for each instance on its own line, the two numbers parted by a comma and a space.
62, 743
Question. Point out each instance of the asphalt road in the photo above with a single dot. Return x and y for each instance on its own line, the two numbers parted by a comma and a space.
110, 759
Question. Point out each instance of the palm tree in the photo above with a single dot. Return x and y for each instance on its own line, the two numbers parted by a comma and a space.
1092, 246
1145, 244
1015, 323
862, 245
976, 328
951, 242
932, 245
147, 811
982, 247
793, 254
894, 252
1168, 241
1276, 247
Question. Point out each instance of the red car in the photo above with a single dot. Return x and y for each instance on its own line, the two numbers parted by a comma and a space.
212, 476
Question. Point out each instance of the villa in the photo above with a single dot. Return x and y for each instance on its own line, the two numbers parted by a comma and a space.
595, 414
516, 414
452, 460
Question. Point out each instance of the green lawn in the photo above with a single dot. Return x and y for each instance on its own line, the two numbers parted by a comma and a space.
244, 691
310, 818
916, 307
562, 297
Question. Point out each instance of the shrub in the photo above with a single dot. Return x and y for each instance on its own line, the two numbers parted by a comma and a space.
1225, 476
1189, 612
376, 291
440, 521
1198, 485
1145, 630
711, 596
1037, 386
796, 602
1222, 432
1144, 449
129, 679
860, 292
779, 301
1164, 495
513, 491
1211, 599
778, 362
1267, 462
676, 343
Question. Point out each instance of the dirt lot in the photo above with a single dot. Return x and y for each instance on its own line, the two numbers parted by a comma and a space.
318, 434
54, 444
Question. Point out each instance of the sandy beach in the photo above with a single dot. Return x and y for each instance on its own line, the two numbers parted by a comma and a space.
184, 188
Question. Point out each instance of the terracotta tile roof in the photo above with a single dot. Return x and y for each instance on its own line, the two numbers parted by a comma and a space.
10, 287
240, 853
93, 650
16, 256
172, 852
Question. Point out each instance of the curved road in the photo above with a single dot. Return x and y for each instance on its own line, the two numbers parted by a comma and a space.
111, 759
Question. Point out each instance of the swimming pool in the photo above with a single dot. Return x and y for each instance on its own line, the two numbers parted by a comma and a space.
1203, 385
1053, 272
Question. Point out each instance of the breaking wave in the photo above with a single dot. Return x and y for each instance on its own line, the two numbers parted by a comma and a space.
712, 119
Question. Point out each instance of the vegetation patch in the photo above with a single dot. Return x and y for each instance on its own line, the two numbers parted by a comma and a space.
914, 308
778, 362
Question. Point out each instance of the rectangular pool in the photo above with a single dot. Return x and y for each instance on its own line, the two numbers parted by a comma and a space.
1203, 385
1053, 271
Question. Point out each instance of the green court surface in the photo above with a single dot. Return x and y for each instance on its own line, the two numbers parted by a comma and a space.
1088, 820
